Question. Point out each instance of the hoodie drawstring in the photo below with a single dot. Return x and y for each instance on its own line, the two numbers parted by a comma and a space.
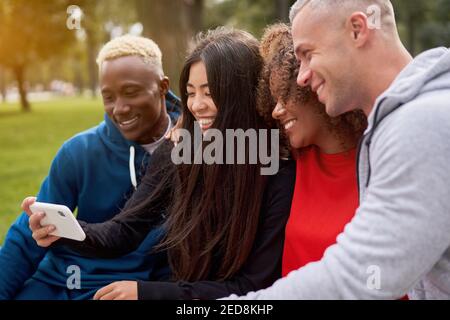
132, 168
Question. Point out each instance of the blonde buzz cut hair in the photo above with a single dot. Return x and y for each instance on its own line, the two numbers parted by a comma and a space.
129, 45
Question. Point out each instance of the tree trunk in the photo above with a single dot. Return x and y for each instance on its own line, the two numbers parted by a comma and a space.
283, 10
19, 72
78, 77
92, 65
195, 12
3, 84
171, 34
412, 34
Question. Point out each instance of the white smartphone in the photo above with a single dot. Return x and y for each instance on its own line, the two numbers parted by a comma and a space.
62, 218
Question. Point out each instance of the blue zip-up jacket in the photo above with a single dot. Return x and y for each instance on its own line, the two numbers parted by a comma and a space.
90, 173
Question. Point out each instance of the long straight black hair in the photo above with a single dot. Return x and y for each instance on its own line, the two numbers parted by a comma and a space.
213, 212
214, 216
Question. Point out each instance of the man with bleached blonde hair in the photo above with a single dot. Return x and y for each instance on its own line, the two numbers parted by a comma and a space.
129, 45
351, 55
95, 172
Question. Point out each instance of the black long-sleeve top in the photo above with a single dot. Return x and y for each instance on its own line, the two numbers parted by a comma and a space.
125, 232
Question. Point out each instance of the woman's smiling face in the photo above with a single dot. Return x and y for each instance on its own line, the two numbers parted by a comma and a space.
302, 122
199, 101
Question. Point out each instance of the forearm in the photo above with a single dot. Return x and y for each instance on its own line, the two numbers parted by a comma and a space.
143, 212
110, 239
202, 290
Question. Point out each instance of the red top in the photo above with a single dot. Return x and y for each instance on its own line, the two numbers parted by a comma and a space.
325, 200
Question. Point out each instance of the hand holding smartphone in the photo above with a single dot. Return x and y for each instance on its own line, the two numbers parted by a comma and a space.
62, 218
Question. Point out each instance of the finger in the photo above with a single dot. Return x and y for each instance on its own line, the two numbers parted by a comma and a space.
179, 122
170, 134
43, 232
176, 136
110, 296
35, 220
47, 241
26, 203
103, 291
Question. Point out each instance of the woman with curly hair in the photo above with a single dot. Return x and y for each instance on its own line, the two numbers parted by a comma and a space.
326, 195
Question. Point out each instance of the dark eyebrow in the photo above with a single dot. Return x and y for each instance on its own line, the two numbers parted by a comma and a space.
205, 85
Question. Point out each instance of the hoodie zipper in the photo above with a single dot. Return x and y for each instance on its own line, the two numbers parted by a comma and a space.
357, 167
369, 136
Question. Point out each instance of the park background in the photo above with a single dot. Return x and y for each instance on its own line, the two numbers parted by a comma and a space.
48, 76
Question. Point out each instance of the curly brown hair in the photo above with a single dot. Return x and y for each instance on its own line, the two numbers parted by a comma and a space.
277, 51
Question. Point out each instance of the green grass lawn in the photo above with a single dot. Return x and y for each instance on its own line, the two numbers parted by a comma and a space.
28, 143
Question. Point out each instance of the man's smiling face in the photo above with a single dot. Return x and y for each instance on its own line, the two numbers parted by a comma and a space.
134, 96
325, 57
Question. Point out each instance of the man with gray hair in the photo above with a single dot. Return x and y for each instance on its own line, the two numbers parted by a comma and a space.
399, 240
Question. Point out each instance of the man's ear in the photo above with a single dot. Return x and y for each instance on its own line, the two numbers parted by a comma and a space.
164, 85
357, 27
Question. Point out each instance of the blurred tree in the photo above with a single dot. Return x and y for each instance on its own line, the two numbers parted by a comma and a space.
3, 84
249, 15
31, 31
436, 31
98, 20
423, 24
93, 37
282, 9
171, 24
76, 65
412, 14
2, 71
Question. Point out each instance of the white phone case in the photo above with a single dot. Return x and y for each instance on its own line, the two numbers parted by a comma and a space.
62, 218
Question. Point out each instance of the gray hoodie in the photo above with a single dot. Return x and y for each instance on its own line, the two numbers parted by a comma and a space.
399, 240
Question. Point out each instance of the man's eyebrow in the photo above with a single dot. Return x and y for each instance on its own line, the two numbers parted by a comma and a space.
131, 85
301, 48
298, 49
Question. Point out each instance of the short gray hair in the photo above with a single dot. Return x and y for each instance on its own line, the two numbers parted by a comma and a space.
331, 5
296, 8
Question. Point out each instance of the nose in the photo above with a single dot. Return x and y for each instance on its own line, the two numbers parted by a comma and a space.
304, 76
198, 105
121, 107
278, 111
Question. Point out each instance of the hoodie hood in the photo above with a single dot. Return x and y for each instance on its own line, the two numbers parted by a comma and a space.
428, 72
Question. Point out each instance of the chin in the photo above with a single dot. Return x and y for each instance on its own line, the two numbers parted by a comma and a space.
130, 136
337, 108
332, 110
296, 144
